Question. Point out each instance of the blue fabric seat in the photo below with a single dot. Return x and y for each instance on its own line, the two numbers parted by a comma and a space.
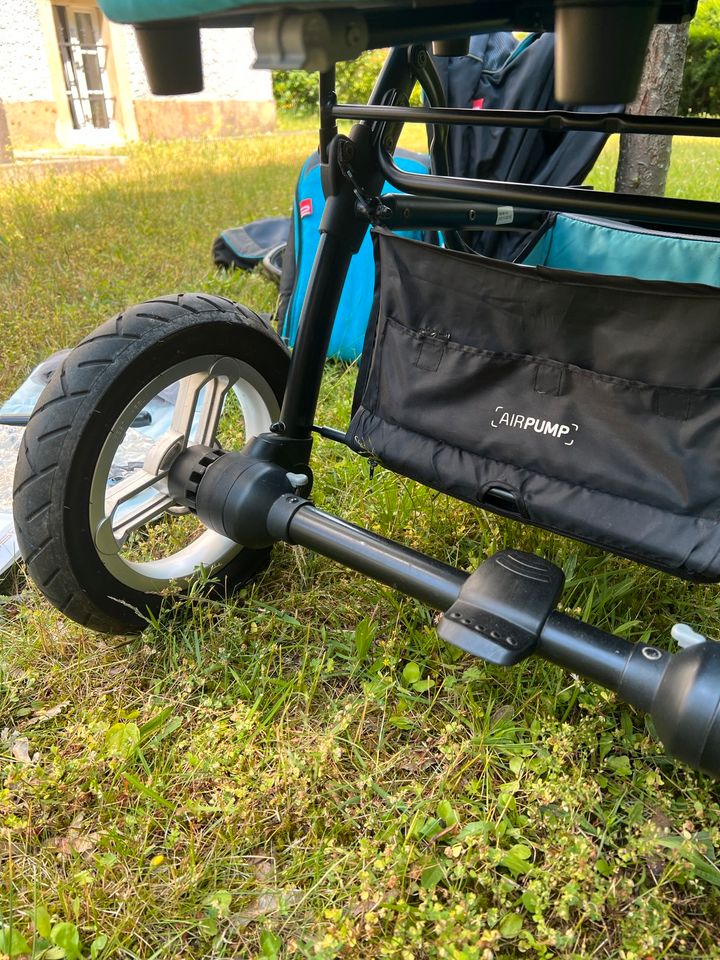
616, 249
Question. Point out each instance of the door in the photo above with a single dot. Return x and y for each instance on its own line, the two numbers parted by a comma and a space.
84, 58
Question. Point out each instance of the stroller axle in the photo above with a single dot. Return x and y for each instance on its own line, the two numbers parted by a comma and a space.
502, 612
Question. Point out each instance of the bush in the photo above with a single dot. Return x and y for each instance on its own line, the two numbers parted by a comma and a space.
297, 90
701, 82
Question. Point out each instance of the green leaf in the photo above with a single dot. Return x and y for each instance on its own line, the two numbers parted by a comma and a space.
473, 829
67, 936
426, 829
521, 850
411, 673
364, 635
422, 686
445, 812
12, 942
511, 925
43, 923
620, 765
270, 944
529, 901
157, 721
516, 865
703, 868
516, 765
603, 868
219, 902
208, 926
122, 739
401, 722
97, 946
148, 791
431, 876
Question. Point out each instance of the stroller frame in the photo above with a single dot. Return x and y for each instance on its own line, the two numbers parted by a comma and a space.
505, 610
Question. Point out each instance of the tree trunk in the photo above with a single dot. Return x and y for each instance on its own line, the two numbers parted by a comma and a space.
644, 161
5, 148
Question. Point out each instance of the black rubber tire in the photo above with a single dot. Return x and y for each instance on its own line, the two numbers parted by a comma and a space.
71, 422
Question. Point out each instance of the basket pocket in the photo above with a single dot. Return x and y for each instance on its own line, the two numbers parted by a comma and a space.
626, 463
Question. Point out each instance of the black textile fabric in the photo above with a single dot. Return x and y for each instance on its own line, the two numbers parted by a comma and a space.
592, 402
490, 79
244, 247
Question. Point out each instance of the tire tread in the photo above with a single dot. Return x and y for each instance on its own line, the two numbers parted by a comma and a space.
53, 435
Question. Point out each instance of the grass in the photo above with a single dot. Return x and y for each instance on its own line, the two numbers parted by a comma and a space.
308, 771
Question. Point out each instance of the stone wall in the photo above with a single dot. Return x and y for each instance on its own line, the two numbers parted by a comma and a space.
25, 81
236, 98
25, 71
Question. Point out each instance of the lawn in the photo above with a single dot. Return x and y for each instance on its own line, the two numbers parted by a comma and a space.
308, 770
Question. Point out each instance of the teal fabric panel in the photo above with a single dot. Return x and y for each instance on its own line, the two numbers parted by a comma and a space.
353, 310
613, 249
145, 11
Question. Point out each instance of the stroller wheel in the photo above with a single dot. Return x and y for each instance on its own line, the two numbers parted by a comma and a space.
99, 532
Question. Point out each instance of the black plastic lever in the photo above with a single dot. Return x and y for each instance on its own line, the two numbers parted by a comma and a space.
503, 606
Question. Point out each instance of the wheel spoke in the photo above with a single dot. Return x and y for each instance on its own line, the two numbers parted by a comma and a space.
122, 517
212, 406
136, 516
212, 386
131, 486
186, 405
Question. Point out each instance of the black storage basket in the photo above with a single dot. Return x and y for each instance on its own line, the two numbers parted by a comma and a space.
588, 405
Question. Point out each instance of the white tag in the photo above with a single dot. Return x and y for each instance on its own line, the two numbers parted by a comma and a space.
504, 215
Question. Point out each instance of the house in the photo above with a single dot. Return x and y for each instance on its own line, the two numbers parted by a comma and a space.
70, 78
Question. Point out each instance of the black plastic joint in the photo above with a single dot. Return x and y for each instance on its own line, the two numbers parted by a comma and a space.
281, 515
235, 496
186, 472
686, 707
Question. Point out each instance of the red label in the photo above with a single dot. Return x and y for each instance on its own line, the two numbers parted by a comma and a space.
305, 207
478, 104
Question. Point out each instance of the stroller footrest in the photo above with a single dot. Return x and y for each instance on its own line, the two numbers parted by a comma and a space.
503, 606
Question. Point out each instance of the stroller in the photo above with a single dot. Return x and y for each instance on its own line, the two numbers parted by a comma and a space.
543, 391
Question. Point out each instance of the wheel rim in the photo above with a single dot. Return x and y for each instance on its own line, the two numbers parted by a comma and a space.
132, 517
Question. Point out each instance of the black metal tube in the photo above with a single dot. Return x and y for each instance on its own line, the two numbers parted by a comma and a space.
431, 581
632, 670
618, 206
404, 211
341, 236
681, 691
555, 121
328, 126
584, 650
395, 75
316, 319
426, 73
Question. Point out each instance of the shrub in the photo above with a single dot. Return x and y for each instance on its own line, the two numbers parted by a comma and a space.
701, 82
297, 90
